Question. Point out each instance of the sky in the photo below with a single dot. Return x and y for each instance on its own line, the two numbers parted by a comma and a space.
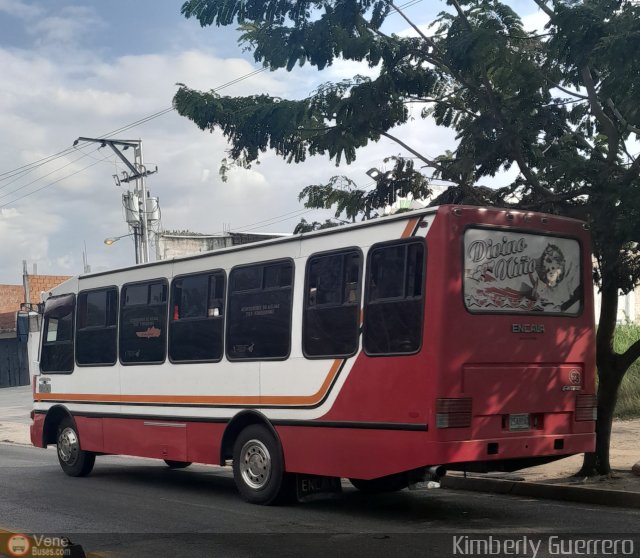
72, 68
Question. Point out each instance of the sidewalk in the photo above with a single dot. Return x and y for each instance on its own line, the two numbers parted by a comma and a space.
554, 480
15, 406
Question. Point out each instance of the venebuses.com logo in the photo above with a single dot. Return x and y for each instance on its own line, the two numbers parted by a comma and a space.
39, 545
18, 545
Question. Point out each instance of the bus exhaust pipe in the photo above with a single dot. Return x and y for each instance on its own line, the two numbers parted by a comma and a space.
437, 472
428, 478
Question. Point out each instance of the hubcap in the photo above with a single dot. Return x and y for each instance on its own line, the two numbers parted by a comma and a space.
68, 446
255, 464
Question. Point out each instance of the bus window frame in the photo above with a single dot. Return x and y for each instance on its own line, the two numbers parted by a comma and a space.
170, 319
44, 331
166, 320
423, 297
263, 263
359, 300
521, 230
117, 326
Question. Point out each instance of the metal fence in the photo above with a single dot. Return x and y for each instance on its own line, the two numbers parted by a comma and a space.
14, 363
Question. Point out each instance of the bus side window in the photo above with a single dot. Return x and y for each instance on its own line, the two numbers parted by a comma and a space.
57, 332
197, 316
259, 315
394, 304
332, 305
143, 323
97, 327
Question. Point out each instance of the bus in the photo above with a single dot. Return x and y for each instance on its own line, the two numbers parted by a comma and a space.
383, 352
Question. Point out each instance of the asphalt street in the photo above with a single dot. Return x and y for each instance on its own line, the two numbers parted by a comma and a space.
139, 507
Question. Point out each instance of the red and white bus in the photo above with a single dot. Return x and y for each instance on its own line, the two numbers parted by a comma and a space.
453, 337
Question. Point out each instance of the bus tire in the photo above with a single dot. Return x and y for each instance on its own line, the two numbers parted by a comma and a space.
390, 483
177, 464
258, 467
73, 460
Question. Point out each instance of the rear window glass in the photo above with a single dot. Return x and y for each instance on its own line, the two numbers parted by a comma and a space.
521, 273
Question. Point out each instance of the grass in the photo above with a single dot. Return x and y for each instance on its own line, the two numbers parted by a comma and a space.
628, 405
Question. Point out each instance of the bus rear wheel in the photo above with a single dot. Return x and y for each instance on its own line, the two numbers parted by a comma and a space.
258, 467
390, 483
73, 460
177, 464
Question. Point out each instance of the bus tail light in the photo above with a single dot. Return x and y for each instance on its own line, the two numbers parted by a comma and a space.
586, 407
453, 413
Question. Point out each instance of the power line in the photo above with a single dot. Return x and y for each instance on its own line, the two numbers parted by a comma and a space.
45, 175
52, 183
25, 169
30, 167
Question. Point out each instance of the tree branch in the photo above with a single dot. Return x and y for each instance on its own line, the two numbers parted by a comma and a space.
632, 172
546, 9
413, 25
426, 160
564, 89
608, 124
531, 177
626, 359
621, 118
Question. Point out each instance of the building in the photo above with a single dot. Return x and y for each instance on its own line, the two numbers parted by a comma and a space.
175, 244
14, 361
13, 297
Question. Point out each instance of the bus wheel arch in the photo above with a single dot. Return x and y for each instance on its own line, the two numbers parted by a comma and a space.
55, 415
236, 425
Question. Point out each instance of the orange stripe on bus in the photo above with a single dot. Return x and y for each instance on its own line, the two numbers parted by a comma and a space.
196, 399
411, 225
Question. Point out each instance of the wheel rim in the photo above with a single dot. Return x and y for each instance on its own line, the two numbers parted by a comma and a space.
255, 464
68, 446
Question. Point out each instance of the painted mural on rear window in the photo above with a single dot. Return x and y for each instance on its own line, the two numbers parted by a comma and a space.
515, 272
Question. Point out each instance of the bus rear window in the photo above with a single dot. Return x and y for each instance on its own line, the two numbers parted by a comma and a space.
520, 273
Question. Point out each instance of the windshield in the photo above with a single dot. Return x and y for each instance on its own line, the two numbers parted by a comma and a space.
514, 272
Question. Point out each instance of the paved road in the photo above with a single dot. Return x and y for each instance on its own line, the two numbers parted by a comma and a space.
138, 507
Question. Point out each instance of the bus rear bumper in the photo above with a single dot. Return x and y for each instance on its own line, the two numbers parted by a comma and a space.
544, 448
368, 454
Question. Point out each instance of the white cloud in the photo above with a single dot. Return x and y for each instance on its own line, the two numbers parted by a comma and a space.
67, 27
19, 9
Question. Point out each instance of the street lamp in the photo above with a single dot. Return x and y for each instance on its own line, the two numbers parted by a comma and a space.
109, 241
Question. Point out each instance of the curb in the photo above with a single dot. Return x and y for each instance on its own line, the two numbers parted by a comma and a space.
617, 498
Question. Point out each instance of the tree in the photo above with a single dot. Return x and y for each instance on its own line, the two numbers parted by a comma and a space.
304, 226
348, 200
562, 107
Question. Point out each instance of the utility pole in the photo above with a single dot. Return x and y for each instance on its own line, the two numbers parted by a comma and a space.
135, 202
141, 186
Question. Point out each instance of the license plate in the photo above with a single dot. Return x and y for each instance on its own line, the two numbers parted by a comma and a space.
519, 422
310, 486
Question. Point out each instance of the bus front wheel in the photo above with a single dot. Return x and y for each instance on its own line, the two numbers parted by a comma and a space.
74, 461
258, 467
